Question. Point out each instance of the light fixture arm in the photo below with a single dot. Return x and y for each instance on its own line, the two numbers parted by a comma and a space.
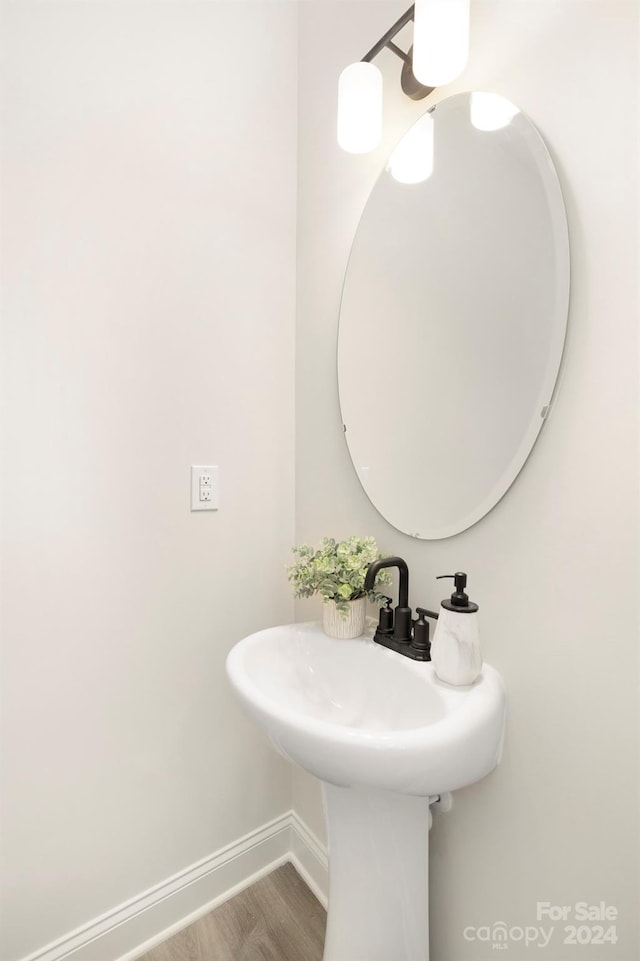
384, 41
398, 52
410, 86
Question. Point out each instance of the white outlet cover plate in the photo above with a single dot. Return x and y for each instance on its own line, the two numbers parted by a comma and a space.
207, 476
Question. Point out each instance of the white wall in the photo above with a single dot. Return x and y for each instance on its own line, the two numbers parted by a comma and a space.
148, 271
555, 565
148, 255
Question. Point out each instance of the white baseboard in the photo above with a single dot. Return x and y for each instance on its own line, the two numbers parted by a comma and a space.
132, 929
309, 857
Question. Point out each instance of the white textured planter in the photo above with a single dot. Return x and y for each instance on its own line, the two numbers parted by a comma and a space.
346, 625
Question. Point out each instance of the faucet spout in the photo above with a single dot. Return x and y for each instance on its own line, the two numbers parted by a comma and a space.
403, 587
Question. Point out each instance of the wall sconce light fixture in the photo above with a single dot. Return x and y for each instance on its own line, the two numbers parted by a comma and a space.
438, 55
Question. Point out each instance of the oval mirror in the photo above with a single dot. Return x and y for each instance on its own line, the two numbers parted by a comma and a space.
453, 316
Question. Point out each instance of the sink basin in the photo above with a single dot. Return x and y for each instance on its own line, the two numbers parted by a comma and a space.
356, 714
386, 738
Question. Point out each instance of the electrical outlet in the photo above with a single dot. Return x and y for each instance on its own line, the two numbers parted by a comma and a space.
205, 489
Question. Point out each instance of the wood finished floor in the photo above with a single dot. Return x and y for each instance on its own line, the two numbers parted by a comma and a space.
276, 919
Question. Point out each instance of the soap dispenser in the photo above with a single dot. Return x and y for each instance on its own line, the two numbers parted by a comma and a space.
455, 651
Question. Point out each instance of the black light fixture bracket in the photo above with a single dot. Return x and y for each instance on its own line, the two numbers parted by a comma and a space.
410, 86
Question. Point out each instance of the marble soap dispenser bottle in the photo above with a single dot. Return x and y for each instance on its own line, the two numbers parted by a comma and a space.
455, 651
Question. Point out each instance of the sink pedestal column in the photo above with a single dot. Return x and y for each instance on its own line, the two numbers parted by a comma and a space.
378, 875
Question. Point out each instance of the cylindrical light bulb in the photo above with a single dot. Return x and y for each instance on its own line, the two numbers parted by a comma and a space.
360, 107
440, 40
490, 111
412, 160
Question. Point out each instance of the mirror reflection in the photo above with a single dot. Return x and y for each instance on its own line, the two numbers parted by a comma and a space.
453, 315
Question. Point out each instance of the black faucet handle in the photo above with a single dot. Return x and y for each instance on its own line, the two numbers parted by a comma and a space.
425, 613
420, 641
385, 619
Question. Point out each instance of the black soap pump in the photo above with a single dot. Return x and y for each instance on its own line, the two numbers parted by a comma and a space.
455, 652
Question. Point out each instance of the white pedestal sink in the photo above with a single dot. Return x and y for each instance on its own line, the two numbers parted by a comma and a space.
385, 736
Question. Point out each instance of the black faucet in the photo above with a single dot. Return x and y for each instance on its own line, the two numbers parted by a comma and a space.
396, 630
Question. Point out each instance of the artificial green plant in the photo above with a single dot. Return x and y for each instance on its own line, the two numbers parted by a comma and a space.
336, 571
